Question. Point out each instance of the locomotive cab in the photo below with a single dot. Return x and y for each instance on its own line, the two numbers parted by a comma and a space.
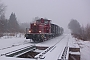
44, 25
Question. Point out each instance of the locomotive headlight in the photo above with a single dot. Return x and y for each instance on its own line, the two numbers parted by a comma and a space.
39, 31
29, 31
34, 23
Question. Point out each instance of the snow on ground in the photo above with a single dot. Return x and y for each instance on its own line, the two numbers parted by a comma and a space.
21, 40
85, 49
11, 41
6, 42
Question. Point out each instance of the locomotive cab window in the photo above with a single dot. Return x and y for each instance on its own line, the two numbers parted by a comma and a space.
38, 21
46, 22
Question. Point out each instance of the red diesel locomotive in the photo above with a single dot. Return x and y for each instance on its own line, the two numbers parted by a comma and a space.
42, 29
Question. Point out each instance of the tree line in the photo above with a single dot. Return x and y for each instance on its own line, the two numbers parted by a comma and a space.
10, 25
78, 31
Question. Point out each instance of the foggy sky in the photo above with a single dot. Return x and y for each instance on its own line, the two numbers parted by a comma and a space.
59, 11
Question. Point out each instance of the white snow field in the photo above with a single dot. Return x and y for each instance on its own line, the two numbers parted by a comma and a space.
14, 43
85, 49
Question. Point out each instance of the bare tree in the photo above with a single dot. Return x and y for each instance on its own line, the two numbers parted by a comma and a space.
87, 29
2, 19
2, 8
85, 33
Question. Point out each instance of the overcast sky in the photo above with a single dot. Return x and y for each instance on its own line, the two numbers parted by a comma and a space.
59, 11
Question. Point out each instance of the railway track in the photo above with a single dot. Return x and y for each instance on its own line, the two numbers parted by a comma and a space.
26, 51
56, 48
37, 51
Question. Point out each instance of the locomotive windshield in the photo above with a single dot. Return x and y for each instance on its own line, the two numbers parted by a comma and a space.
46, 22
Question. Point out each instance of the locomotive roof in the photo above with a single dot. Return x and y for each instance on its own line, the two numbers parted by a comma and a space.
43, 19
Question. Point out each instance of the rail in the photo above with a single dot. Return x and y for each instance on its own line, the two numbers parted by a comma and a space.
65, 53
16, 52
42, 54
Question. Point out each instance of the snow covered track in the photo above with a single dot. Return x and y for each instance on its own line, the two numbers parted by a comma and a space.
22, 50
55, 49
58, 51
